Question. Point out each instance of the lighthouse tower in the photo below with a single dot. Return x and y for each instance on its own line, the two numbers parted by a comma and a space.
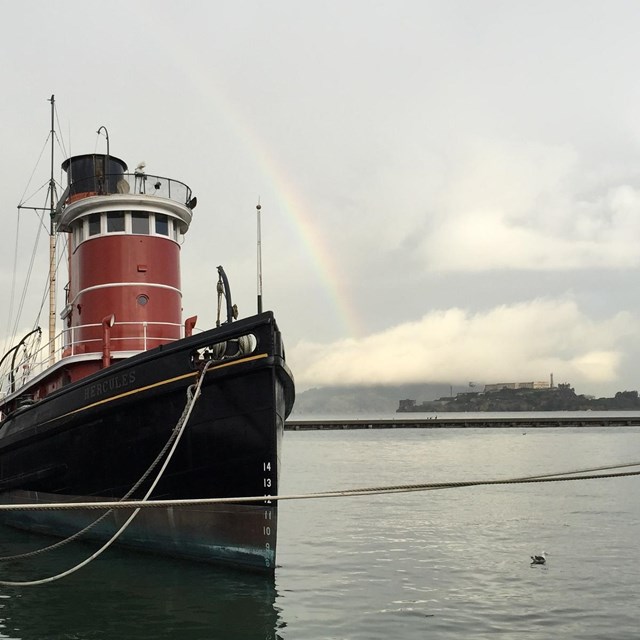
124, 232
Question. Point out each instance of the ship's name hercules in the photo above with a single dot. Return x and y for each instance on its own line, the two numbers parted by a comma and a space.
110, 384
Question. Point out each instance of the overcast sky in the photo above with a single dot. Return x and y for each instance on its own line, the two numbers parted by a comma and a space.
450, 189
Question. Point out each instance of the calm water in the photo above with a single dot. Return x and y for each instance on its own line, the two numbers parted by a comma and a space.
439, 564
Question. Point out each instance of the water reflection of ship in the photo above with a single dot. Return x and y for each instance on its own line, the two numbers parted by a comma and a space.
168, 599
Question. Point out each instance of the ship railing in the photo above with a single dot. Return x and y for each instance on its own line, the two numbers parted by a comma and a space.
71, 342
134, 183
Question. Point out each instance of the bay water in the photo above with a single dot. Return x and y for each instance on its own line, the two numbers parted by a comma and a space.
452, 563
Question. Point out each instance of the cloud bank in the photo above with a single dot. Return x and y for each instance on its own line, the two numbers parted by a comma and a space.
534, 207
521, 342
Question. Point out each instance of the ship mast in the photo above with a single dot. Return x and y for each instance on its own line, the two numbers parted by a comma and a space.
52, 246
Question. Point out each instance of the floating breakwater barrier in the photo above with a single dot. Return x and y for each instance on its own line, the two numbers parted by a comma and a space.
472, 422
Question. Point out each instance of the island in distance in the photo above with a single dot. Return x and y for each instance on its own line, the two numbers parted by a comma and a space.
524, 396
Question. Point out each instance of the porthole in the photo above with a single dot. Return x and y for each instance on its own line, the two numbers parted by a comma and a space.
142, 299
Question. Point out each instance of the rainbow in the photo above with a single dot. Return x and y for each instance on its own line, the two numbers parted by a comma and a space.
298, 214
295, 210
300, 217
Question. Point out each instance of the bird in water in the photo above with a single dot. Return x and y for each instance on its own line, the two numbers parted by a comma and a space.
541, 559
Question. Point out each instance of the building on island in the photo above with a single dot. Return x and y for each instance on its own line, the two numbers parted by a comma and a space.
488, 388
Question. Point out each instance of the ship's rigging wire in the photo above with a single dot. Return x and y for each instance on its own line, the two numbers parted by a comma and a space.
36, 322
34, 252
193, 393
35, 168
59, 140
11, 331
44, 185
13, 280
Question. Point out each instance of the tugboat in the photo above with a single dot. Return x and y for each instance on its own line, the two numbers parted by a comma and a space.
89, 417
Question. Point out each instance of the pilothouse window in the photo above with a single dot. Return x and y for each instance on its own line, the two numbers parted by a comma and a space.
129, 222
115, 222
162, 224
94, 224
140, 223
78, 233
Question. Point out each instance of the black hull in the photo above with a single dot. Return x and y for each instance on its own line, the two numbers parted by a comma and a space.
94, 440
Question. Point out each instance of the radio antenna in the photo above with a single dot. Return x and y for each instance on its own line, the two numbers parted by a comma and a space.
258, 208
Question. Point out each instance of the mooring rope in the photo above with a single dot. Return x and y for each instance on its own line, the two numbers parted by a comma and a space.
174, 433
560, 476
193, 393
